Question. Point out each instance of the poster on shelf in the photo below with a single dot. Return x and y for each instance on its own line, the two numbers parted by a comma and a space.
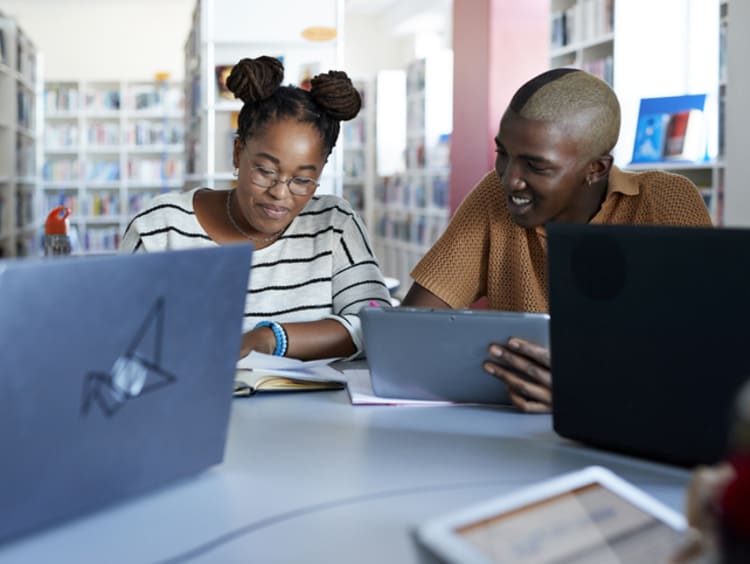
671, 128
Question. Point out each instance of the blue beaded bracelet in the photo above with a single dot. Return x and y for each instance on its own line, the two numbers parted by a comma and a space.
282, 341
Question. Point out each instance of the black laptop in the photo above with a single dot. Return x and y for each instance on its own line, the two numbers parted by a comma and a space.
650, 336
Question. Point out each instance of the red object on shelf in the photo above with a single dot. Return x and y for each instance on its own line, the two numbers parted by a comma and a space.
57, 221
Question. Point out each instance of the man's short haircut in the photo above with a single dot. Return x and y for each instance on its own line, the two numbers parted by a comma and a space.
573, 96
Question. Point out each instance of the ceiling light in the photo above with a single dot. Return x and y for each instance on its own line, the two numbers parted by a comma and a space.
319, 33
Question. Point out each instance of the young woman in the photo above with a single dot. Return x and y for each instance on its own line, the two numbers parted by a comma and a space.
313, 267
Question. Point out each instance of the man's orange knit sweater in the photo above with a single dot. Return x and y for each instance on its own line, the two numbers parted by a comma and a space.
483, 253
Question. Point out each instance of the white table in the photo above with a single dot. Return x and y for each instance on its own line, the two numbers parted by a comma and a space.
309, 478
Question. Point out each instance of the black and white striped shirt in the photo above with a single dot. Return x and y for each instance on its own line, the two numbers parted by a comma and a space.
321, 267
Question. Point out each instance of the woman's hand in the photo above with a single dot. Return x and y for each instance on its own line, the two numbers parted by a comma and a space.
261, 339
532, 391
704, 490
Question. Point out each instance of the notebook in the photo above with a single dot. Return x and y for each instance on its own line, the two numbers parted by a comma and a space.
649, 336
437, 354
116, 376
588, 515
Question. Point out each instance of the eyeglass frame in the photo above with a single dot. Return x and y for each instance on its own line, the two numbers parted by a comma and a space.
288, 181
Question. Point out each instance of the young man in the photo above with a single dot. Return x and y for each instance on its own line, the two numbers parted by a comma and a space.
553, 163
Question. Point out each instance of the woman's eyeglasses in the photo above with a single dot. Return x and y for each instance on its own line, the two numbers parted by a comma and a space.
268, 178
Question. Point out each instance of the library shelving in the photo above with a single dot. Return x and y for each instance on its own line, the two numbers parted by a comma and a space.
410, 207
109, 147
217, 40
582, 35
358, 148
639, 47
19, 138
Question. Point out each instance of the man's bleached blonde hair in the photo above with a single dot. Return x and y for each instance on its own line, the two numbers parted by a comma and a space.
573, 97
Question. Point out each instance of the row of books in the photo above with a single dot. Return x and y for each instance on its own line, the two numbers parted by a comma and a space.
147, 132
413, 228
24, 209
355, 196
25, 158
67, 98
103, 133
604, 68
25, 58
165, 97
354, 164
354, 132
413, 191
106, 100
583, 21
98, 239
153, 170
435, 157
25, 109
3, 51
101, 204
144, 132
60, 98
139, 170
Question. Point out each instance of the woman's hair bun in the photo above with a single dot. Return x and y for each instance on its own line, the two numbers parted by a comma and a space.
252, 80
334, 92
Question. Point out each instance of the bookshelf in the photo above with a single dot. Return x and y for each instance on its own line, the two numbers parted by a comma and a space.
109, 147
358, 147
582, 35
610, 38
19, 145
410, 207
218, 37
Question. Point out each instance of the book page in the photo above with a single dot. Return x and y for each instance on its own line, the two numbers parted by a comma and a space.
360, 391
310, 369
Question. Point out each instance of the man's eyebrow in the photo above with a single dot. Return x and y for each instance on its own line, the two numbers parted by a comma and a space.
532, 158
536, 159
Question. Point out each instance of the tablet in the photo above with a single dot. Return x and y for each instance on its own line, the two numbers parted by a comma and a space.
588, 516
437, 354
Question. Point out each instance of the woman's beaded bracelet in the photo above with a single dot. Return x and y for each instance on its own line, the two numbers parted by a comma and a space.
282, 341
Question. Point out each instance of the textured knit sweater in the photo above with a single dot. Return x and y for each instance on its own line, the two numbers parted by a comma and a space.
321, 267
484, 254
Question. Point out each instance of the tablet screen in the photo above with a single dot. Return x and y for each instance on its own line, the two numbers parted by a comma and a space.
585, 524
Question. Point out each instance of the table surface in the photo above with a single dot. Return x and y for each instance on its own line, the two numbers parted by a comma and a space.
307, 477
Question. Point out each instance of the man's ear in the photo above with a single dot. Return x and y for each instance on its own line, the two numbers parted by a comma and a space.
599, 168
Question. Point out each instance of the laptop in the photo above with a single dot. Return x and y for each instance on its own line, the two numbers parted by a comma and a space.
650, 328
437, 354
116, 376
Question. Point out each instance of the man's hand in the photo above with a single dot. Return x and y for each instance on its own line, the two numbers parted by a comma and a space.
531, 392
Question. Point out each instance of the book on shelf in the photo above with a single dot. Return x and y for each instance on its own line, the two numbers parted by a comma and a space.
685, 136
3, 55
671, 128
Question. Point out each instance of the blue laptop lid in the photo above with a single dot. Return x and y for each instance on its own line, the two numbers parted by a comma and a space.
115, 377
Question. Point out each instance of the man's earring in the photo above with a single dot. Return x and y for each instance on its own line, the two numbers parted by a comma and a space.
588, 181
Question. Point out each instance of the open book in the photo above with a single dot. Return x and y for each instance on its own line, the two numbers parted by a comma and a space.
267, 373
250, 382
